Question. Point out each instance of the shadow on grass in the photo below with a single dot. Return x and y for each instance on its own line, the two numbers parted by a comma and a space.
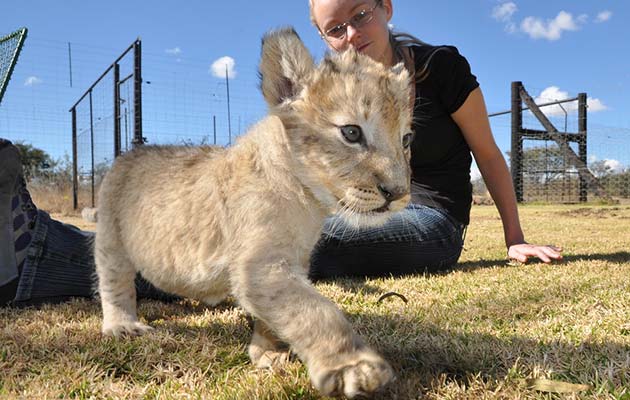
437, 355
617, 257
361, 285
184, 336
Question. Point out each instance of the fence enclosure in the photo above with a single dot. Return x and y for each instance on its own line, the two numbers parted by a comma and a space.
167, 100
94, 143
553, 171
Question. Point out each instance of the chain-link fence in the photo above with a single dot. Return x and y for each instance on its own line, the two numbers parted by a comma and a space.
556, 157
105, 122
10, 47
185, 102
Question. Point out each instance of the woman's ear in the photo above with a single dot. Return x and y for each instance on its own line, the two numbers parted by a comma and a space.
389, 9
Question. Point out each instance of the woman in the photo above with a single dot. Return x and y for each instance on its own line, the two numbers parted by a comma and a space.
451, 121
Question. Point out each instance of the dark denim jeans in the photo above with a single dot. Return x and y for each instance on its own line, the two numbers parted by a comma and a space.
60, 265
60, 260
416, 240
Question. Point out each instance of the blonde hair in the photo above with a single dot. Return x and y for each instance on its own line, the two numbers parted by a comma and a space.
400, 42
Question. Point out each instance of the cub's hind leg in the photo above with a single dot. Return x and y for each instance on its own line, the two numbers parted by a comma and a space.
117, 290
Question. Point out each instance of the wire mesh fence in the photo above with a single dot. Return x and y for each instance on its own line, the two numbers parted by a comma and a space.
551, 171
97, 130
184, 103
10, 48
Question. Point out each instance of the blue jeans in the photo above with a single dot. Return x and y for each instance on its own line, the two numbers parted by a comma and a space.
60, 261
416, 240
60, 265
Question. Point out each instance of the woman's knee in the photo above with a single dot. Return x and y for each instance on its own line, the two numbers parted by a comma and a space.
416, 223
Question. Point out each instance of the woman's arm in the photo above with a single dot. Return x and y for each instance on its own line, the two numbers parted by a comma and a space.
472, 119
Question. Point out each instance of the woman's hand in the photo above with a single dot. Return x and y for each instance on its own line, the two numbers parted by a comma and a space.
522, 251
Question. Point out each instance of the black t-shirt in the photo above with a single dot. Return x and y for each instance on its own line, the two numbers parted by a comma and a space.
440, 156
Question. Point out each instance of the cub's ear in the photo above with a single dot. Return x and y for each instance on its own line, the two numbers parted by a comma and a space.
285, 65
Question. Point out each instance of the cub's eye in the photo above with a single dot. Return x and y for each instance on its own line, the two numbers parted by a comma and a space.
352, 133
407, 139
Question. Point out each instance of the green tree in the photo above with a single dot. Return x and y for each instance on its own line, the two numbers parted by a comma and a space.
617, 183
36, 162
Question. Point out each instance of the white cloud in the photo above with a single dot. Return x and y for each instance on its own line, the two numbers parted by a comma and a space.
614, 165
603, 16
595, 105
503, 12
611, 165
582, 19
218, 67
553, 93
536, 28
174, 51
32, 81
475, 173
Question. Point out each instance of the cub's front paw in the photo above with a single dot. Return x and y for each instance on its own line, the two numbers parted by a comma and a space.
355, 374
130, 328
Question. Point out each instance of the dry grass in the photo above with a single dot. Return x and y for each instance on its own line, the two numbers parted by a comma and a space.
483, 331
52, 198
57, 198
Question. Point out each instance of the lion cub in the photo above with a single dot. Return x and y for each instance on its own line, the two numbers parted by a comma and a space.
210, 222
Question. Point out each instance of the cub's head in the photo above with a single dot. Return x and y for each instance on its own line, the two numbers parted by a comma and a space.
348, 126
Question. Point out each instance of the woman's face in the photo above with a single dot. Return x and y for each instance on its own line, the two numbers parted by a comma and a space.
371, 38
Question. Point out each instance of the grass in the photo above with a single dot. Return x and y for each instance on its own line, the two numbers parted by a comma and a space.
486, 330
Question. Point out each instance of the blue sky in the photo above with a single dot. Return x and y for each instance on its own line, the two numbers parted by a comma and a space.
556, 48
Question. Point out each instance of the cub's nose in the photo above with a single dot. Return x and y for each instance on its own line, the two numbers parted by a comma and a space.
391, 193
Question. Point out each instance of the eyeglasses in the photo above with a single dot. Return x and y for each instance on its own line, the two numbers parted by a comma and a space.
363, 17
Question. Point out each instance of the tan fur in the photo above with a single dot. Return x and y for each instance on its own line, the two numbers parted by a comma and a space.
207, 222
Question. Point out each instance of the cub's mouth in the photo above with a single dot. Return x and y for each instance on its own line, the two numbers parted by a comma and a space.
379, 210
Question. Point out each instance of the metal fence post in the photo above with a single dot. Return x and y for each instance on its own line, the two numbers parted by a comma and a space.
75, 181
92, 148
137, 93
516, 156
116, 110
582, 128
